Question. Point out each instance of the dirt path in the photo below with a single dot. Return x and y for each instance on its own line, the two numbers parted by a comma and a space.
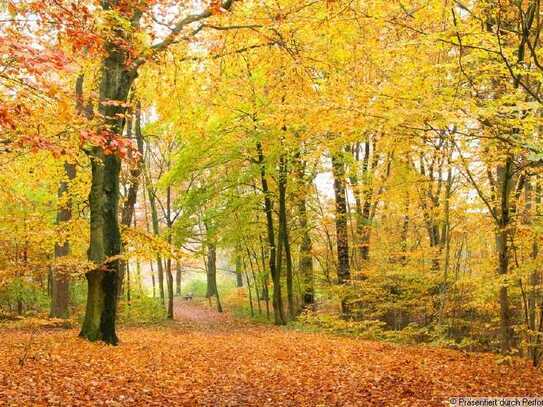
195, 313
205, 359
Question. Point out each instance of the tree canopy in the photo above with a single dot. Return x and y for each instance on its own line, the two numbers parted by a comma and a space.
360, 167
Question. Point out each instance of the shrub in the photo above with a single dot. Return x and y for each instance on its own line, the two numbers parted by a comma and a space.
142, 309
31, 297
366, 329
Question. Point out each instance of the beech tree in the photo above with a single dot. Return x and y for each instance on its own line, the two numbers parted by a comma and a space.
118, 72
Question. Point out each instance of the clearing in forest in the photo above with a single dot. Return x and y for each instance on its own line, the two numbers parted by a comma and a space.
216, 360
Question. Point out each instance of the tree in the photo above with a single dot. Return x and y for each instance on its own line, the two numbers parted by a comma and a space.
342, 239
118, 73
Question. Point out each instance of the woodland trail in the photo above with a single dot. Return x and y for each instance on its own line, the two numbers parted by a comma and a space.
198, 316
207, 359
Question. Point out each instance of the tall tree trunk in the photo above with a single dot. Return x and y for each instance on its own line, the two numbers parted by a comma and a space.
446, 242
405, 230
105, 242
169, 285
265, 277
250, 294
127, 214
178, 273
306, 258
535, 275
212, 274
128, 288
504, 182
279, 314
169, 274
305, 263
342, 242
105, 238
239, 275
530, 298
139, 277
60, 283
147, 228
505, 215
255, 279
156, 231
153, 279
283, 240
361, 208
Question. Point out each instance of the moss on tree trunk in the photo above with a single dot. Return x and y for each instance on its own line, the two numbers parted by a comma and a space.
105, 238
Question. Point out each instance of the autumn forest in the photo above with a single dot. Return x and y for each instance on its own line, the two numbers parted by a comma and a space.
270, 202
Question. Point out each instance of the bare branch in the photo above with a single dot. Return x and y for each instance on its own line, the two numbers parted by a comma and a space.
176, 30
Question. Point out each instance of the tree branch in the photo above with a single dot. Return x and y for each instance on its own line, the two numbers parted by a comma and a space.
178, 27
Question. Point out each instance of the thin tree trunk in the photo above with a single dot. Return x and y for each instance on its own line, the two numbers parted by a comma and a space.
265, 278
306, 260
255, 280
535, 275
405, 230
147, 228
139, 277
239, 275
156, 231
275, 269
342, 242
283, 240
169, 274
60, 281
212, 289
446, 242
127, 214
360, 208
305, 263
169, 284
504, 182
128, 292
250, 294
178, 272
153, 279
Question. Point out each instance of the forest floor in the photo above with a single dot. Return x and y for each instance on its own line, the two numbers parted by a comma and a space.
205, 358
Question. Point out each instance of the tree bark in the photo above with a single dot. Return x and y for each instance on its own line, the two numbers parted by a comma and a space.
156, 231
283, 240
255, 279
212, 274
178, 273
306, 258
239, 273
405, 230
105, 238
60, 283
342, 240
127, 213
169, 285
305, 264
250, 294
279, 314
169, 274
504, 181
